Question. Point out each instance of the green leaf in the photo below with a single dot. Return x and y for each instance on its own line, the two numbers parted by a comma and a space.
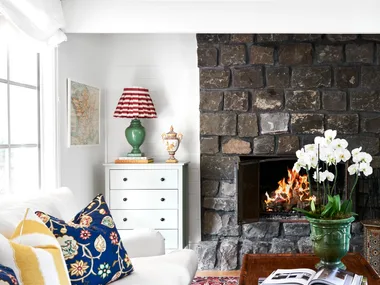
312, 206
307, 213
347, 207
327, 212
337, 203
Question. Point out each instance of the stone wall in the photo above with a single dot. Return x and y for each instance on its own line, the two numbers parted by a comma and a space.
271, 94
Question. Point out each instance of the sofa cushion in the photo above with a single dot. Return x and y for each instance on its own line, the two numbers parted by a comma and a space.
91, 244
175, 268
12, 207
7, 276
34, 254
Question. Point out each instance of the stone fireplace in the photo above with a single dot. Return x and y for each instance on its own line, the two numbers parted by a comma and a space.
268, 95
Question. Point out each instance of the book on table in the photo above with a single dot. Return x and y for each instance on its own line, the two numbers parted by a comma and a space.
134, 159
305, 276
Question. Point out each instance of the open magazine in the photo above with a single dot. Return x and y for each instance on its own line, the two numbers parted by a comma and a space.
305, 276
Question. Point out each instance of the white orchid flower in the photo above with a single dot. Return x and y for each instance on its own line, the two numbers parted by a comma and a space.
300, 153
326, 154
342, 155
323, 152
322, 176
321, 141
331, 159
339, 144
362, 157
355, 152
353, 168
313, 160
297, 166
305, 161
365, 168
310, 147
330, 135
366, 157
329, 175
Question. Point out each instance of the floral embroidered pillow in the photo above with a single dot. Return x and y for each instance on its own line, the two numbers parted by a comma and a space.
7, 276
91, 245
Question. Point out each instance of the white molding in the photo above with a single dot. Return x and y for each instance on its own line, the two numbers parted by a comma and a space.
222, 16
49, 116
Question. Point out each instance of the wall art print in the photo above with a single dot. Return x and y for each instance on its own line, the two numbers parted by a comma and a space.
83, 114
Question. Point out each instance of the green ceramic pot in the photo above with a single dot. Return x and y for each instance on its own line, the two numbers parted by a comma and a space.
330, 240
135, 135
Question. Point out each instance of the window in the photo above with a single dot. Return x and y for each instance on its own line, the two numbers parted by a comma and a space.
20, 128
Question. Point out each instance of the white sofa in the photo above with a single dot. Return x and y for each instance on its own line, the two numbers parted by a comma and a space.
145, 247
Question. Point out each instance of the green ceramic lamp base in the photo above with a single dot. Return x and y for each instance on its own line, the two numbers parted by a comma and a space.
135, 135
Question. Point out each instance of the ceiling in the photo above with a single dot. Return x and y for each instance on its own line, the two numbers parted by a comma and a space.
222, 16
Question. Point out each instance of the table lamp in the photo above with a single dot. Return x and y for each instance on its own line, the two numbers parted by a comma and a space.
135, 103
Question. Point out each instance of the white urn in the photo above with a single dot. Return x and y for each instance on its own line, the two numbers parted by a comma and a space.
172, 140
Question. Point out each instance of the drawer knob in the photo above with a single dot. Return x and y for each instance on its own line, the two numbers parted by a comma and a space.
162, 199
125, 179
162, 219
125, 219
125, 199
162, 179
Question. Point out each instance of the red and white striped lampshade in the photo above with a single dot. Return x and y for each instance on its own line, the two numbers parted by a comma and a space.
135, 102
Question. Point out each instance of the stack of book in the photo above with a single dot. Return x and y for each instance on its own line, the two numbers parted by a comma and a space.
304, 276
131, 159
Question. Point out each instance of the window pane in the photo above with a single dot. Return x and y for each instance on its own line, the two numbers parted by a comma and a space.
23, 66
24, 169
3, 61
4, 171
23, 115
3, 114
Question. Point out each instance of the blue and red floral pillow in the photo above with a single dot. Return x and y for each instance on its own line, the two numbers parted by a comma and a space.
7, 276
91, 245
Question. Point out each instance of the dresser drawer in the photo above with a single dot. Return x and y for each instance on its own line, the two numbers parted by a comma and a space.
170, 236
143, 179
154, 219
143, 199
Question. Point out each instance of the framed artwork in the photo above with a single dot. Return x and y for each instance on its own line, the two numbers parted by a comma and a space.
83, 114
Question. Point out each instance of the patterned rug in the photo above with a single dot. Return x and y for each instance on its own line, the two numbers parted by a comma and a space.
215, 281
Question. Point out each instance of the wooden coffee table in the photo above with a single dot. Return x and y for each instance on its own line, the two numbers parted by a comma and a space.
261, 265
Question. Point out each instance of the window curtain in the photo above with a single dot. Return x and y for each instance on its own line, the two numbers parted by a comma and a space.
37, 22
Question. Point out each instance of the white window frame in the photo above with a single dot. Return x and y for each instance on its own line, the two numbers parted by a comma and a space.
47, 122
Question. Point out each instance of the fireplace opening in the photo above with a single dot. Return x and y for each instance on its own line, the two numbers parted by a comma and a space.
269, 188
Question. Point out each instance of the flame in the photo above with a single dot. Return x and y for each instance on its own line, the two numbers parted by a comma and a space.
291, 191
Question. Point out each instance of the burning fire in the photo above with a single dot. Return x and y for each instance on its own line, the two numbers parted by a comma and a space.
291, 192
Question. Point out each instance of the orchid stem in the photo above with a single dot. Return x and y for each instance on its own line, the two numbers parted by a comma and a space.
328, 188
308, 177
335, 178
318, 193
353, 187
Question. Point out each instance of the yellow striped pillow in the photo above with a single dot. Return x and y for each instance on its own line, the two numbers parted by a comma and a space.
34, 254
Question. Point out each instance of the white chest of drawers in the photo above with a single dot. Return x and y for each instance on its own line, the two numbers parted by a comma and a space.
149, 196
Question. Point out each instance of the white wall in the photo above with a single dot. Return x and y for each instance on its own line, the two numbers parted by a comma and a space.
80, 59
167, 66
222, 16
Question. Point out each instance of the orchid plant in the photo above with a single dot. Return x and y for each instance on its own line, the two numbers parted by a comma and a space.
320, 162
